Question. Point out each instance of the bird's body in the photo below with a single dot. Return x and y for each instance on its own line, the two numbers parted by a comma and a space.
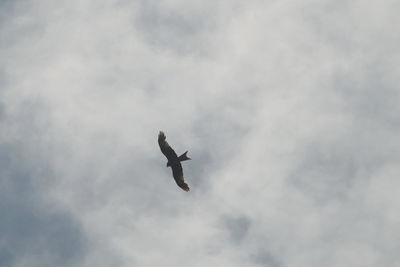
173, 161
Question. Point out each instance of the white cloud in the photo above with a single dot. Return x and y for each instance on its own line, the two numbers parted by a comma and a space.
288, 109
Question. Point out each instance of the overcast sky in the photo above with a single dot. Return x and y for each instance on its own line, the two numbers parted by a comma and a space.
290, 111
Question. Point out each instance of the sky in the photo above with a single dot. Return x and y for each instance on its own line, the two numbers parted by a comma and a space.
290, 111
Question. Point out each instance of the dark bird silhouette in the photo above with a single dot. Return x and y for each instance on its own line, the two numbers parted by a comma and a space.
173, 161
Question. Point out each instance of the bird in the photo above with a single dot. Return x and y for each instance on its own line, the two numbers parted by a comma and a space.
174, 161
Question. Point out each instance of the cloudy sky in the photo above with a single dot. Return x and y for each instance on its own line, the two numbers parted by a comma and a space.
290, 111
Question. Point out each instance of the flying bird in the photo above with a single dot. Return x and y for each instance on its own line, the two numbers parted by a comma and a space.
173, 161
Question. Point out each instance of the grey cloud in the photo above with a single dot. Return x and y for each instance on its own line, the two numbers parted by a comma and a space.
237, 227
177, 27
329, 170
265, 258
362, 99
35, 230
291, 125
31, 229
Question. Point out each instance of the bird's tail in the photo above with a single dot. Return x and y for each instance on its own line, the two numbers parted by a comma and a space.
184, 157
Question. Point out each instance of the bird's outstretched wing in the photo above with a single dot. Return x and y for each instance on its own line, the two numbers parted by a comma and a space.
177, 172
165, 148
